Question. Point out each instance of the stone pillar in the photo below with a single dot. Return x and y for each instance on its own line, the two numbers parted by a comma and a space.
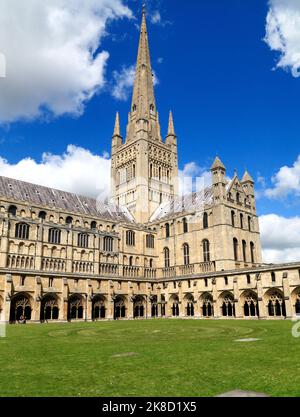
110, 301
148, 301
216, 305
7, 295
182, 312
63, 305
89, 292
197, 310
237, 302
287, 296
130, 292
37, 300
261, 305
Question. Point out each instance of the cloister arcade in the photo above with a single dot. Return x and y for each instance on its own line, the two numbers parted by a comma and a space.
100, 307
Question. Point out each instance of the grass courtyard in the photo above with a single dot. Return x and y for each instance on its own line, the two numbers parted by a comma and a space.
149, 358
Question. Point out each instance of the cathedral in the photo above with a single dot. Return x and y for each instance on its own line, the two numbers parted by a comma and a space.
148, 253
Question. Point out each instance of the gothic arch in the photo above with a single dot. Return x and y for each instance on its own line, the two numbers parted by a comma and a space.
295, 297
119, 307
20, 308
189, 302
227, 304
249, 301
207, 305
49, 308
98, 307
139, 307
75, 307
274, 299
174, 305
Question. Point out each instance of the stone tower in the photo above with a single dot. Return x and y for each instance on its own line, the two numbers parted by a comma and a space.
144, 169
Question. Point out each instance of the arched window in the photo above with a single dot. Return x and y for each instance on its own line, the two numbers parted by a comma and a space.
205, 221
249, 223
54, 236
273, 276
244, 250
94, 225
69, 220
236, 249
186, 254
151, 263
12, 210
131, 261
167, 257
185, 225
42, 215
167, 230
130, 238
150, 241
233, 218
242, 220
108, 244
238, 197
22, 231
151, 171
83, 240
252, 251
206, 251
133, 171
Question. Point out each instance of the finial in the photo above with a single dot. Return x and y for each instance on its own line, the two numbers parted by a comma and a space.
144, 8
171, 129
235, 172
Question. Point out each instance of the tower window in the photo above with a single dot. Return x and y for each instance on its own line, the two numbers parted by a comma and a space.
205, 221
244, 250
54, 236
167, 257
236, 249
83, 240
273, 277
108, 244
252, 251
249, 223
22, 231
242, 220
233, 219
206, 251
12, 210
185, 225
130, 238
186, 254
206, 282
150, 241
167, 226
248, 279
226, 280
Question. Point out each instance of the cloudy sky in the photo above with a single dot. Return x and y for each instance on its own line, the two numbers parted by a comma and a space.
230, 71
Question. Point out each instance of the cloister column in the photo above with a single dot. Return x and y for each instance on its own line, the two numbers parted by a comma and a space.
181, 306
239, 314
110, 301
261, 305
63, 304
287, 295
89, 292
7, 295
130, 293
216, 302
36, 306
197, 308
148, 302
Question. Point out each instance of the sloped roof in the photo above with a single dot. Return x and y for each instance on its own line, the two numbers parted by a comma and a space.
194, 202
62, 200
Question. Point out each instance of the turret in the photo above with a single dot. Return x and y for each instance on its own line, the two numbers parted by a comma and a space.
248, 186
116, 138
171, 138
218, 171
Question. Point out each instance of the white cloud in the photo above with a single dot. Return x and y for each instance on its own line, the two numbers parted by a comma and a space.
51, 51
283, 33
280, 238
77, 170
193, 178
286, 181
123, 81
155, 17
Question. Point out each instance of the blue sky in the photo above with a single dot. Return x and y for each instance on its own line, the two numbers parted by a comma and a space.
216, 74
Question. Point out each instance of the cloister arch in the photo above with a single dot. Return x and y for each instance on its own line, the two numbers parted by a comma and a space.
20, 308
98, 307
189, 305
49, 308
295, 297
75, 307
227, 304
174, 304
275, 303
249, 301
154, 306
139, 307
119, 307
207, 305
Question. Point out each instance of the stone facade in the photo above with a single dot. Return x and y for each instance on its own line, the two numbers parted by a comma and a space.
147, 254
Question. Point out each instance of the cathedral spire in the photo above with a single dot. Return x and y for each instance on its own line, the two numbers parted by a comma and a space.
117, 129
171, 130
143, 100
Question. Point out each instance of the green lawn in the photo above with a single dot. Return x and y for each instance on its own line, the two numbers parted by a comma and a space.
149, 358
